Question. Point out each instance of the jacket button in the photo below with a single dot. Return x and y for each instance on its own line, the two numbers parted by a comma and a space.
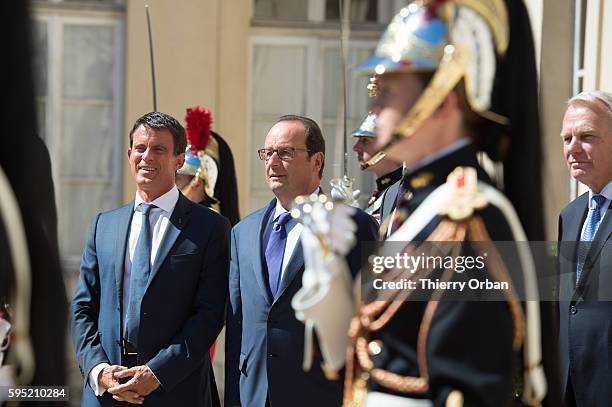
573, 310
271, 355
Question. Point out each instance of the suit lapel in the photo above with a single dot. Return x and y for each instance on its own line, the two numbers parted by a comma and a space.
572, 226
295, 264
259, 257
123, 227
178, 221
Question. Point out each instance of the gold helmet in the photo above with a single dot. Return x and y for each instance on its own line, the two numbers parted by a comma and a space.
456, 40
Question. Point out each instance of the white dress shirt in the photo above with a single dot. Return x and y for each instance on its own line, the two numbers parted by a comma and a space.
159, 219
605, 192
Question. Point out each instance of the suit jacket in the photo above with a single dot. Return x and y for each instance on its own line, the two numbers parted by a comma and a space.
265, 342
182, 309
585, 310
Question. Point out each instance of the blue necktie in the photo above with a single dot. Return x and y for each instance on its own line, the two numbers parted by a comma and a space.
275, 250
139, 275
590, 230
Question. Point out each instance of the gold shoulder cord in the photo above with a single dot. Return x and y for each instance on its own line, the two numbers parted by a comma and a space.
375, 315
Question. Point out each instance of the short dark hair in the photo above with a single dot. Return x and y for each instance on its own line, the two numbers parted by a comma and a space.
158, 121
315, 143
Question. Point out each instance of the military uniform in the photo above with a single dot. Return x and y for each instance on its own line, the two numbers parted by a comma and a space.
469, 345
374, 205
418, 347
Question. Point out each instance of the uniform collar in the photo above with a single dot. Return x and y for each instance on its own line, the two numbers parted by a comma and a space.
389, 179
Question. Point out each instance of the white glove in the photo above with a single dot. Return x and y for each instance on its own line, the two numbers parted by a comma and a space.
325, 302
342, 190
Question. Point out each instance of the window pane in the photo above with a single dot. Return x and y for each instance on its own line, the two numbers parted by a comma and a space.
78, 205
281, 9
278, 80
332, 83
88, 62
361, 10
87, 142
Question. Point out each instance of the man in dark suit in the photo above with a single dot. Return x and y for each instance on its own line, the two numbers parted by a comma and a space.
152, 288
264, 340
585, 254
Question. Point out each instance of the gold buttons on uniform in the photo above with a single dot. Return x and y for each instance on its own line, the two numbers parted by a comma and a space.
375, 347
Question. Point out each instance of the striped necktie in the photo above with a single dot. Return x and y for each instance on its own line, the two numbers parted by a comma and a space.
590, 229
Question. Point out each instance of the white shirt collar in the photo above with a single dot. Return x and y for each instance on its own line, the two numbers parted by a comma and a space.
279, 208
606, 192
166, 202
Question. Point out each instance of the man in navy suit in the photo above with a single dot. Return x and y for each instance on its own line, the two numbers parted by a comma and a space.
152, 288
265, 342
585, 254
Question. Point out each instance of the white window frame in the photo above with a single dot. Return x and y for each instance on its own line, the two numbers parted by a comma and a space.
386, 9
56, 20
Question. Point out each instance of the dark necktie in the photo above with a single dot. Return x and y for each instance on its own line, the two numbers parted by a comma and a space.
139, 275
275, 250
590, 230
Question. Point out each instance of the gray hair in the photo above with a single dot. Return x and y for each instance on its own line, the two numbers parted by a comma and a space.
593, 97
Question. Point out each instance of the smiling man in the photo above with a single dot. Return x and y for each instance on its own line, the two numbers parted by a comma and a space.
152, 288
586, 262
264, 339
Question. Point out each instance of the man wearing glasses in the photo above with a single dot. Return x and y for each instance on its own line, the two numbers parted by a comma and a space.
264, 339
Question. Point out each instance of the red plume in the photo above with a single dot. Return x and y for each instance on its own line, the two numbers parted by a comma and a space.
199, 121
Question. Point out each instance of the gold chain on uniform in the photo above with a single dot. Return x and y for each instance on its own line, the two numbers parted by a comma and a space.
376, 314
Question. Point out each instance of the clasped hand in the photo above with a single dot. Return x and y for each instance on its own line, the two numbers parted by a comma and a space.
141, 383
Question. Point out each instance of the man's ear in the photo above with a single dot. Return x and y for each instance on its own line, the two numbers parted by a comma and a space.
181, 160
129, 153
320, 159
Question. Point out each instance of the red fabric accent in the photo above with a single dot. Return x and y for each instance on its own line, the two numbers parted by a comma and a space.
198, 123
212, 350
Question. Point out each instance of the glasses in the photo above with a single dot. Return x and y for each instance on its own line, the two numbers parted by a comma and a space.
284, 153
